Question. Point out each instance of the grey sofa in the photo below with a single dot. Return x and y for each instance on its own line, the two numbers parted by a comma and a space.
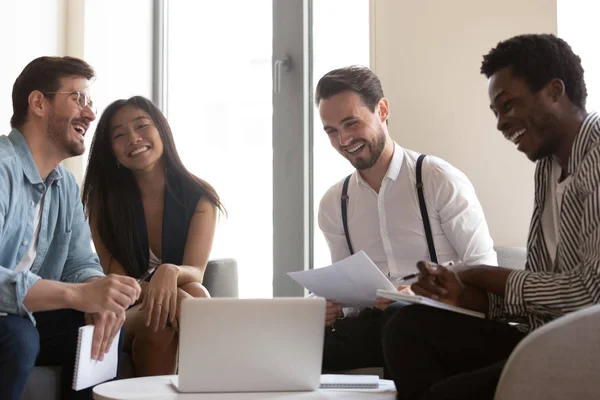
221, 280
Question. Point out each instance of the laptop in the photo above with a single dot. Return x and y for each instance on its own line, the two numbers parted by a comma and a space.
250, 345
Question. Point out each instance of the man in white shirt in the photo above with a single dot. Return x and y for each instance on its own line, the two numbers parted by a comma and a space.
383, 211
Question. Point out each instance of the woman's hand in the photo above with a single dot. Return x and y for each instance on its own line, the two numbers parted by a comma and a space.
160, 300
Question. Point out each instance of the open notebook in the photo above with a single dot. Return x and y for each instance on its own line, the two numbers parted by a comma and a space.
89, 372
411, 298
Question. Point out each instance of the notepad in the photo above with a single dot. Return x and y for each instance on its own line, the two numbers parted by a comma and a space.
90, 372
330, 381
411, 298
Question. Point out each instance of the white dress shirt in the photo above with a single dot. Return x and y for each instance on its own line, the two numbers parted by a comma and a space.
388, 225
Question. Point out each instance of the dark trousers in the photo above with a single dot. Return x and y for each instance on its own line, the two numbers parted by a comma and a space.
435, 354
53, 341
354, 342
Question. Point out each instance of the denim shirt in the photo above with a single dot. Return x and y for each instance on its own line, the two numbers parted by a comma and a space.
64, 251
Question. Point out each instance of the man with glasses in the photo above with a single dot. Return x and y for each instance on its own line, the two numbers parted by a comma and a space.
51, 282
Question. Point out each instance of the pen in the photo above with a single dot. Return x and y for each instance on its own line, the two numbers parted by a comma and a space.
407, 277
146, 275
416, 275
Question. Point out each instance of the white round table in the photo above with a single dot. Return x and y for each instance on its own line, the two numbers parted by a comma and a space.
159, 387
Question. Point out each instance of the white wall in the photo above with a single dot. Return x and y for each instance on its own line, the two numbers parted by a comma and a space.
578, 25
428, 54
29, 29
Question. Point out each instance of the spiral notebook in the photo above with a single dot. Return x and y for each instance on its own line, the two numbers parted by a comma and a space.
331, 381
90, 372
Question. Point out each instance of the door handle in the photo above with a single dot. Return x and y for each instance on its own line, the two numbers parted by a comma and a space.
278, 67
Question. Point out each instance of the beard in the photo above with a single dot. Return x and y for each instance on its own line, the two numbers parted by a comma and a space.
547, 128
58, 133
375, 149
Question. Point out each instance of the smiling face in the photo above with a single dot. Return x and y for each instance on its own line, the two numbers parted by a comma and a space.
525, 118
356, 132
67, 122
136, 142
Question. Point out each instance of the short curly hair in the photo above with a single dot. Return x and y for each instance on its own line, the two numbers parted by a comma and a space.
539, 58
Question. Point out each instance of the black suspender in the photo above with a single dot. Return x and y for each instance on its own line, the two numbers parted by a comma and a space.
424, 214
345, 212
422, 206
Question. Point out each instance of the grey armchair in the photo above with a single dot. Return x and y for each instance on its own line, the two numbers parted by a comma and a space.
221, 280
511, 257
558, 361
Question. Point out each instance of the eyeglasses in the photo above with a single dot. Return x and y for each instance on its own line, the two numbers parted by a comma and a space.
83, 100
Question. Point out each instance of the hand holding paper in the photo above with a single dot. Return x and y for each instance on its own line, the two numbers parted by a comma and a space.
383, 303
351, 282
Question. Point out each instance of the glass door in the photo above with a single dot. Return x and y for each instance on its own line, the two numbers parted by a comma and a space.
231, 131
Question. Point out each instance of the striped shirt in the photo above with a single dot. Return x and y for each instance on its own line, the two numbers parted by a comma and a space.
546, 290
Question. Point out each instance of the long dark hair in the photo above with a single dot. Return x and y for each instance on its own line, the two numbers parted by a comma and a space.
110, 193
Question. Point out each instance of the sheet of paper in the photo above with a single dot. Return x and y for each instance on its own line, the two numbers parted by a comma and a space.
352, 281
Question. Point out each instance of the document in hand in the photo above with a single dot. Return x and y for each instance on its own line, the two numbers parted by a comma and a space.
411, 298
90, 372
351, 282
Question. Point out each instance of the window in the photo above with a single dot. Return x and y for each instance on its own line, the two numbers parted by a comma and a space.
123, 68
331, 51
217, 74
219, 94
219, 101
